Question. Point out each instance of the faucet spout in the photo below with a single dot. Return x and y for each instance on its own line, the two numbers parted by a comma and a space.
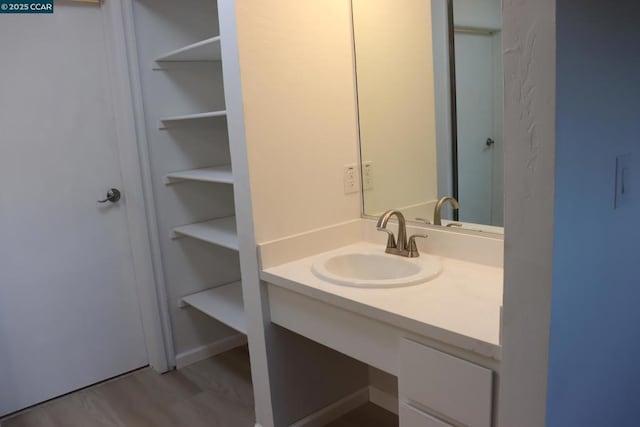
437, 212
394, 247
402, 247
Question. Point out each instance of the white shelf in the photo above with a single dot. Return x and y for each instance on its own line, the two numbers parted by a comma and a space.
197, 116
217, 174
223, 303
205, 50
220, 231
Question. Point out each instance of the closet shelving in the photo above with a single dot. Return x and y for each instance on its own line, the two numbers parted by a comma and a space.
205, 50
219, 231
214, 174
223, 303
189, 117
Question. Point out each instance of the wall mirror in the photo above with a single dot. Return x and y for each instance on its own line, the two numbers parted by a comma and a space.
430, 105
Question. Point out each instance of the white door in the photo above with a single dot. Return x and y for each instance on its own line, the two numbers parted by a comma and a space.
475, 89
69, 314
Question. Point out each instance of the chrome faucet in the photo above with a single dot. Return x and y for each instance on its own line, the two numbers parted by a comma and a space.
401, 247
437, 212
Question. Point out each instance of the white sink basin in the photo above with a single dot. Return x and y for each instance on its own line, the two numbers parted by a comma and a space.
376, 269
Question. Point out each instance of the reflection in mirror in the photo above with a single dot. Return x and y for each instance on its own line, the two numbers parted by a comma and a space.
479, 100
424, 134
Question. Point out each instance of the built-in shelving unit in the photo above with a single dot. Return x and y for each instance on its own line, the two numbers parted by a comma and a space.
184, 98
205, 50
223, 303
214, 174
220, 231
196, 116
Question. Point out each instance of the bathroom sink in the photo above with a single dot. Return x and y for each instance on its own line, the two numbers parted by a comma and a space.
376, 269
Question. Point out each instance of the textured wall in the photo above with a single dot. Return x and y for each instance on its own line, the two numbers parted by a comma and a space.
529, 153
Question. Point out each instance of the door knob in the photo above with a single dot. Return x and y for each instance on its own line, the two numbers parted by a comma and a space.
113, 196
490, 142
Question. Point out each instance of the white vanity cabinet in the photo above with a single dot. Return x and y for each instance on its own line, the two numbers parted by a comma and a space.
432, 350
435, 388
458, 390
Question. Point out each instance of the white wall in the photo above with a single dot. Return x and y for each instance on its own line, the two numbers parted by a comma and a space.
394, 59
300, 115
298, 96
594, 379
529, 153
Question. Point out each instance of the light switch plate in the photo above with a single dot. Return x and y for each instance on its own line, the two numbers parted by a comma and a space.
623, 181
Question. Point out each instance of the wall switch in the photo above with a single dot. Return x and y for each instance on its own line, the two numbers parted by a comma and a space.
367, 175
623, 181
351, 179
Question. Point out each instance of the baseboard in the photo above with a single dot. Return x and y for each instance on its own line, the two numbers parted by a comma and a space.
335, 410
209, 350
383, 399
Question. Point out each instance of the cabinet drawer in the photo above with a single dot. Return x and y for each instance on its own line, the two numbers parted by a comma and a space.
412, 417
455, 388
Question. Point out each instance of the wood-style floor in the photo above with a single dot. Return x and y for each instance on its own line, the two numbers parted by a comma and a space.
216, 392
368, 415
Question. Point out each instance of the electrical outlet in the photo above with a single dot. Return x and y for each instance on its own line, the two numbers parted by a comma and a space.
351, 179
367, 175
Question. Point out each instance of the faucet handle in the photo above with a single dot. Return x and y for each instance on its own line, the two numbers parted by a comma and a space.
391, 239
413, 247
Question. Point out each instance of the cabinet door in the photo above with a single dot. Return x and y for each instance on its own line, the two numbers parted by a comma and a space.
460, 390
413, 417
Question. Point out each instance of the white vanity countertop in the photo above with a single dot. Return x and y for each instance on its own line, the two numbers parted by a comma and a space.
460, 307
